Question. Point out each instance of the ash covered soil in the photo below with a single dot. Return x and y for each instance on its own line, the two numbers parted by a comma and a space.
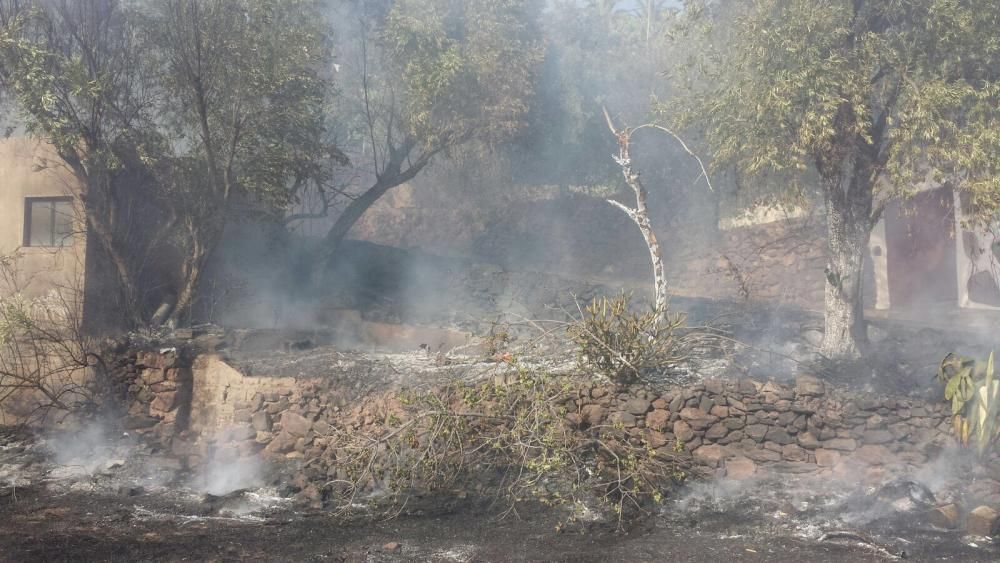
116, 501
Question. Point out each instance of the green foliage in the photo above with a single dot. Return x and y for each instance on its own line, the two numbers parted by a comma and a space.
623, 345
895, 89
974, 393
167, 111
466, 68
244, 90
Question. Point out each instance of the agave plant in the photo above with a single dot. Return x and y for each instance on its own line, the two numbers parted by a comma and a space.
974, 393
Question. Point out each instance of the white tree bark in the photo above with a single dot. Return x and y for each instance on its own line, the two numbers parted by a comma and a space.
640, 214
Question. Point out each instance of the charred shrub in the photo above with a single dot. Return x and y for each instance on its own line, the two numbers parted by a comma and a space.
623, 344
513, 438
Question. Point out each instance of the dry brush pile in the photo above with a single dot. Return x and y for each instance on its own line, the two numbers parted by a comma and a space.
515, 437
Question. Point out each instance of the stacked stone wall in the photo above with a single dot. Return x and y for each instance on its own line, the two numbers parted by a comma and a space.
733, 427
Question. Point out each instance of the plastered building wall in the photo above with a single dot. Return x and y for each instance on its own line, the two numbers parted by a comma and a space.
30, 168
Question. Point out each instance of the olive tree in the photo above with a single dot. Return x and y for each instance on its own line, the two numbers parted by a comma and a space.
858, 100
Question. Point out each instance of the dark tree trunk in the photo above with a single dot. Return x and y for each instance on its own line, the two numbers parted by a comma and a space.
392, 175
350, 216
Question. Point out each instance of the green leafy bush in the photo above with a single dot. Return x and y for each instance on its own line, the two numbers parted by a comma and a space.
974, 393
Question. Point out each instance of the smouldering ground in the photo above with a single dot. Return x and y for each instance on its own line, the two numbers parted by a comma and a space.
115, 501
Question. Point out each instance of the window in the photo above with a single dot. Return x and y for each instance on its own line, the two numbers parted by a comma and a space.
48, 221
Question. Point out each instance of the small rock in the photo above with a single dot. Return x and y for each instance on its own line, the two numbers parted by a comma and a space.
740, 468
982, 521
295, 424
807, 385
637, 407
842, 444
392, 546
683, 431
945, 516
658, 419
711, 455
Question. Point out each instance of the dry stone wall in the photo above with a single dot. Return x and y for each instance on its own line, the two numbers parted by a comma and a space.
732, 427
159, 391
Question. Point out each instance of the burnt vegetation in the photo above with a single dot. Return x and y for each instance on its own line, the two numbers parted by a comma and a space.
240, 170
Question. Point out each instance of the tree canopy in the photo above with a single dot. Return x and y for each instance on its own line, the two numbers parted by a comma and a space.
811, 86
870, 98
429, 76
167, 111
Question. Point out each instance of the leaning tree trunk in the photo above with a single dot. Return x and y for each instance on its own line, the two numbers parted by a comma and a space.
848, 228
393, 174
350, 216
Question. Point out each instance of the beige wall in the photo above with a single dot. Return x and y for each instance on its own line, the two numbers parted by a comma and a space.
29, 168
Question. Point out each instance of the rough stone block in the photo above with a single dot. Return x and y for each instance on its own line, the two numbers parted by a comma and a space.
757, 431
658, 419
779, 436
945, 516
627, 420
716, 432
877, 436
826, 458
791, 452
807, 440
841, 444
165, 401
683, 431
637, 406
982, 521
593, 414
740, 468
809, 386
710, 455
872, 455
697, 419
261, 421
295, 424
